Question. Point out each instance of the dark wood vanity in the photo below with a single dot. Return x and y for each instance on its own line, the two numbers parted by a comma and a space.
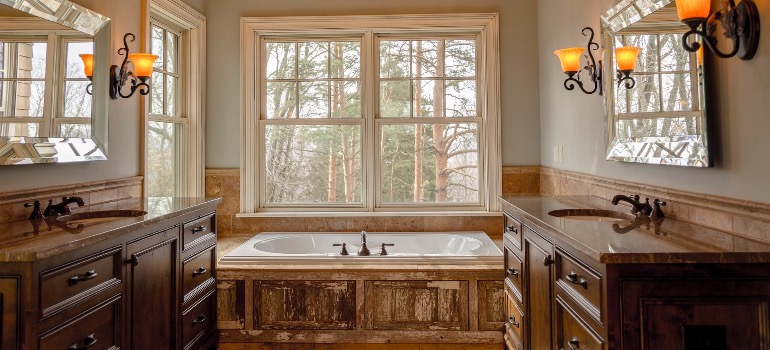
588, 285
143, 282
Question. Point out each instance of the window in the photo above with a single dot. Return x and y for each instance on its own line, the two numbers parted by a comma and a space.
174, 146
355, 119
28, 86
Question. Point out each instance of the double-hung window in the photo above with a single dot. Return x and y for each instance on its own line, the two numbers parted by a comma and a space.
370, 114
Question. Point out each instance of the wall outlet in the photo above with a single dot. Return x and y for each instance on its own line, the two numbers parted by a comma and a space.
558, 154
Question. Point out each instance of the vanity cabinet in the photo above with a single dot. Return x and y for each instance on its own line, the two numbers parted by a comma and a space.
9, 312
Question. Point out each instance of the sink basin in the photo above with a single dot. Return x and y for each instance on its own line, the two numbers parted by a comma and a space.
592, 215
99, 216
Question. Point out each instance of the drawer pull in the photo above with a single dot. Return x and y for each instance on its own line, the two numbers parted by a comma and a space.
574, 344
88, 342
199, 271
512, 320
573, 278
513, 272
200, 228
547, 260
85, 277
199, 320
513, 229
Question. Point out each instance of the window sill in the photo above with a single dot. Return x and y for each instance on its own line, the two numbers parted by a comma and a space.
365, 214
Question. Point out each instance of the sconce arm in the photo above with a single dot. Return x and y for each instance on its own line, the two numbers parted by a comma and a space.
594, 71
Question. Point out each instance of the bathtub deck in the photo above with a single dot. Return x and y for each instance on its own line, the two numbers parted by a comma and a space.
355, 304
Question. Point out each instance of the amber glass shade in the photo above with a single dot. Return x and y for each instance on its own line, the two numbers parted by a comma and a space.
691, 9
88, 64
142, 63
626, 57
570, 58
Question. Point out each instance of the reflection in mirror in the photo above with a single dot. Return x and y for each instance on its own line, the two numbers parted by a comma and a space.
662, 119
46, 116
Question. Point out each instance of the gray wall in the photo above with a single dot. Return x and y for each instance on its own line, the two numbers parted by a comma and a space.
740, 110
124, 122
518, 21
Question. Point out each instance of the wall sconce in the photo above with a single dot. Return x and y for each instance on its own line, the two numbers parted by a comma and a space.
570, 64
626, 57
88, 69
740, 23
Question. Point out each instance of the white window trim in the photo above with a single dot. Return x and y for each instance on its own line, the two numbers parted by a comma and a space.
486, 24
192, 60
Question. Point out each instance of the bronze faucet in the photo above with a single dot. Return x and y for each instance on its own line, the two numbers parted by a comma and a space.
637, 207
62, 208
364, 251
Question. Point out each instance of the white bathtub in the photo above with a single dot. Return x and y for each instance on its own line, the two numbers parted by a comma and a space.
409, 248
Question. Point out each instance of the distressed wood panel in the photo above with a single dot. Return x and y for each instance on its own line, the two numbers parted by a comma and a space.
307, 346
230, 305
417, 305
491, 301
304, 305
385, 337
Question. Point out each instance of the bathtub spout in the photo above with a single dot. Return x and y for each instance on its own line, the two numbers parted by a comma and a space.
364, 251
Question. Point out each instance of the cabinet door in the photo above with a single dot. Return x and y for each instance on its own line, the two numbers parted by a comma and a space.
538, 256
153, 290
9, 312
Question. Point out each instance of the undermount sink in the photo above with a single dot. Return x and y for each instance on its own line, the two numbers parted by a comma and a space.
592, 215
100, 216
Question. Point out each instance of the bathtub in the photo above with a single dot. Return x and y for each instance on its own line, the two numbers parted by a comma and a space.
410, 248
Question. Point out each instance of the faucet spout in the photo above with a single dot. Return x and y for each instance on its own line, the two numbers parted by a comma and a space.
62, 208
364, 251
637, 207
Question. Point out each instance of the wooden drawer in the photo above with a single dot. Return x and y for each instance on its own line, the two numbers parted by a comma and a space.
199, 319
514, 324
514, 268
198, 272
96, 329
579, 282
512, 231
66, 285
198, 230
572, 332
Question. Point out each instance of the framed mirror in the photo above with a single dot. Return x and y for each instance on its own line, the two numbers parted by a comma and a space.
662, 118
50, 112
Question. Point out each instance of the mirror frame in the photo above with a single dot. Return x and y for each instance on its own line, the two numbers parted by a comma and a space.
696, 147
35, 150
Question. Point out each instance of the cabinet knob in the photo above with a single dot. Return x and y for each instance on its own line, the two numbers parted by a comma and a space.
513, 229
572, 277
513, 272
512, 320
574, 344
547, 260
133, 260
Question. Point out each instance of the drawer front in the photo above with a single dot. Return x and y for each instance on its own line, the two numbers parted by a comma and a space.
198, 230
580, 282
512, 231
199, 319
198, 273
98, 329
66, 285
514, 274
514, 323
572, 333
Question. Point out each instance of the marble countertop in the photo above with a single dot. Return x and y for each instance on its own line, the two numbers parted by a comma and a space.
639, 241
27, 240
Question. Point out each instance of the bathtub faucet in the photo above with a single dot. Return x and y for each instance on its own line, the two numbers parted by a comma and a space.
364, 251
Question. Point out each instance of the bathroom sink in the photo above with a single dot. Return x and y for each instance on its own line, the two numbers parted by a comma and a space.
99, 216
592, 215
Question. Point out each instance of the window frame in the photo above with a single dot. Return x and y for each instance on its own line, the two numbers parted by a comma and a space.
483, 26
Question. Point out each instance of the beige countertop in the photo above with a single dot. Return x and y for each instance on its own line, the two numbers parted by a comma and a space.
638, 241
28, 240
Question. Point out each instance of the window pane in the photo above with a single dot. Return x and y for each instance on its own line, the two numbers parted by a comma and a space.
461, 58
163, 161
172, 52
172, 88
19, 129
158, 47
394, 99
312, 164
314, 99
29, 99
673, 56
677, 94
345, 59
427, 99
281, 100
76, 102
425, 58
645, 95
346, 99
281, 59
313, 60
74, 64
156, 94
34, 53
461, 98
75, 130
429, 163
394, 59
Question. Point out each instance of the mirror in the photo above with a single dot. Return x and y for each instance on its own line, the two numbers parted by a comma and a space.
662, 119
46, 116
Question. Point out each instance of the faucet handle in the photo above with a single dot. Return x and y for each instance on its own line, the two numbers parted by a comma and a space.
657, 212
634, 196
344, 248
36, 212
382, 248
